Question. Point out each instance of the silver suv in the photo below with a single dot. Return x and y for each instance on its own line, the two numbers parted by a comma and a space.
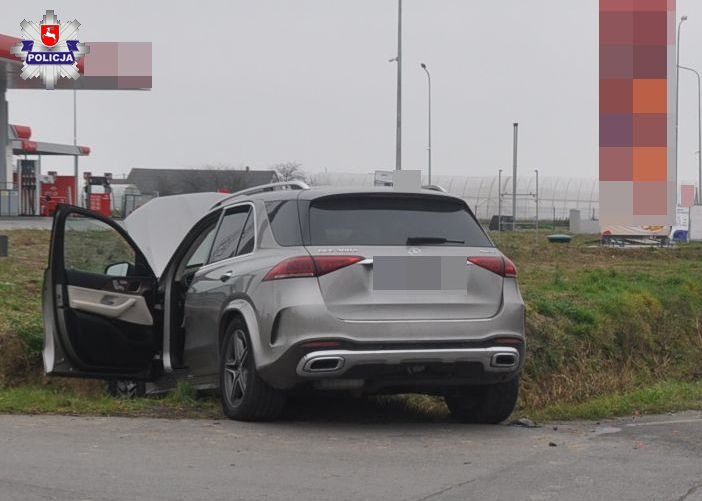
285, 288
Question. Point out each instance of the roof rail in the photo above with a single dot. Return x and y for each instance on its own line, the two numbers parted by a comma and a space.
434, 187
285, 185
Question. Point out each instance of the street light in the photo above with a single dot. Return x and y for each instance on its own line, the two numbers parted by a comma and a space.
76, 187
699, 128
536, 171
398, 133
426, 70
499, 200
677, 101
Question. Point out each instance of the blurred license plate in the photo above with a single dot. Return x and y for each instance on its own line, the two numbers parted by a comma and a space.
419, 273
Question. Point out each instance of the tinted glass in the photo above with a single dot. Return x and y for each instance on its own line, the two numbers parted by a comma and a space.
246, 243
388, 220
93, 246
202, 251
284, 222
228, 235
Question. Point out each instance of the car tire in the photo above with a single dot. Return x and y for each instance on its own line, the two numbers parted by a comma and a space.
126, 388
245, 396
488, 404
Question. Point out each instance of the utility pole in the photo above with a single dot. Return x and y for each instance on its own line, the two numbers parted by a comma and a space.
536, 171
499, 201
5, 180
677, 104
424, 67
514, 176
76, 193
398, 134
699, 130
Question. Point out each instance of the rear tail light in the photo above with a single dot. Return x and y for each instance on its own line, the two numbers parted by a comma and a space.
308, 266
295, 267
496, 264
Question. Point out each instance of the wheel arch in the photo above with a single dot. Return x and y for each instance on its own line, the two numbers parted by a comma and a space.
240, 309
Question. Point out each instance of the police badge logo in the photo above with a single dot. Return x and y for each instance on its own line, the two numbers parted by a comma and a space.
50, 49
49, 34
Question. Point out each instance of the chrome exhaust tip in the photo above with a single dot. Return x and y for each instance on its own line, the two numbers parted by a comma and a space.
504, 360
323, 364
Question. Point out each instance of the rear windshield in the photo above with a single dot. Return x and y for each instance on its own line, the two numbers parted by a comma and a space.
398, 220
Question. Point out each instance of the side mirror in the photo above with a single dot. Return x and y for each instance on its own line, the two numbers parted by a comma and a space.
118, 269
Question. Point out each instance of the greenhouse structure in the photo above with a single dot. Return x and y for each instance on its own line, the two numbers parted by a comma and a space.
557, 195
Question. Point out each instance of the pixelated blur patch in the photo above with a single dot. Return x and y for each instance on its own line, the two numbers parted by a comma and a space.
650, 61
650, 164
617, 96
616, 129
616, 163
419, 273
651, 129
650, 96
637, 81
650, 198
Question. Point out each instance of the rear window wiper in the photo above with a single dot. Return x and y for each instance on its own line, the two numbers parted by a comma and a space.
432, 240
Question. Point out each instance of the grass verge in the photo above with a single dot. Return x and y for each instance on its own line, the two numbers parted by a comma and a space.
41, 400
604, 327
670, 396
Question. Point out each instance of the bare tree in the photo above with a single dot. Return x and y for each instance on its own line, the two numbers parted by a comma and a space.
290, 171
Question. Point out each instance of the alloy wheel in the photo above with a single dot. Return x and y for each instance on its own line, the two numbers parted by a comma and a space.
236, 369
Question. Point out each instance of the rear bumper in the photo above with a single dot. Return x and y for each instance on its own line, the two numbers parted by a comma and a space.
334, 363
380, 352
371, 366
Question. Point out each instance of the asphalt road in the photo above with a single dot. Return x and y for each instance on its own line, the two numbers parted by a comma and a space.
72, 458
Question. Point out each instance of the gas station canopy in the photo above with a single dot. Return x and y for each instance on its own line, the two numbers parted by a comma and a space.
20, 137
108, 66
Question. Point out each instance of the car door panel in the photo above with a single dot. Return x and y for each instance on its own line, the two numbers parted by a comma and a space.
129, 308
100, 325
210, 290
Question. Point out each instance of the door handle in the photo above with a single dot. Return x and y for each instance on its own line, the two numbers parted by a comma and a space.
226, 276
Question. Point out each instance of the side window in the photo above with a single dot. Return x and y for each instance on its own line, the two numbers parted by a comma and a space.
229, 234
246, 244
92, 246
202, 251
283, 216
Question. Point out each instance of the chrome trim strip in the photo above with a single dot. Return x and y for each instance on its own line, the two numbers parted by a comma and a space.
353, 358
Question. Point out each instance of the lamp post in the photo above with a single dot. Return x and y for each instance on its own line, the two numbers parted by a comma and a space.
699, 128
514, 176
76, 196
536, 171
426, 70
499, 201
398, 133
677, 100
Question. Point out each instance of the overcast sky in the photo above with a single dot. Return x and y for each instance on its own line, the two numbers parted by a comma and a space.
263, 81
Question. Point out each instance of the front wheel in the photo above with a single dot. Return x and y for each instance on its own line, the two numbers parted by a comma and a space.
489, 404
245, 396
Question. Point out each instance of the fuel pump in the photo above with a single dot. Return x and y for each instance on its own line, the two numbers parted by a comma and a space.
100, 202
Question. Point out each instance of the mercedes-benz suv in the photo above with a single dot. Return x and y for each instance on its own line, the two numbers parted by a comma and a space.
282, 288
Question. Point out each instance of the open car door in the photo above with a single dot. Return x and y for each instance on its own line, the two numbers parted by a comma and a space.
99, 301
